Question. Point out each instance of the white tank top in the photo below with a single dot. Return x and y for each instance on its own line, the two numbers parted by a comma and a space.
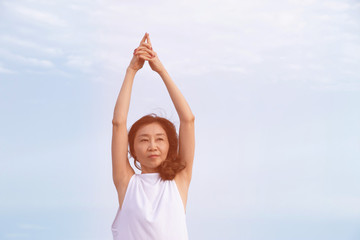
152, 210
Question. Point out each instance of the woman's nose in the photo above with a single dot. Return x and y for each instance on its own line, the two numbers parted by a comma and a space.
152, 145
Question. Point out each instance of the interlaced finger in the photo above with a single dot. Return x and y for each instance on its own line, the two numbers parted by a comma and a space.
145, 57
146, 50
146, 45
144, 53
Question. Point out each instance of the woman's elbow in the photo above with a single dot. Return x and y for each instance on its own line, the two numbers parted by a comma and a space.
190, 118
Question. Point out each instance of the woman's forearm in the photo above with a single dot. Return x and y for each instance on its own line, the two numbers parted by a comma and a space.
179, 101
123, 101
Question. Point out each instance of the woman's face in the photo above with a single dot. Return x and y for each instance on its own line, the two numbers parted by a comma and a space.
151, 147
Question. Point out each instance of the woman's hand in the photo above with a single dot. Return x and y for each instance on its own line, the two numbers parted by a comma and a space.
145, 52
137, 62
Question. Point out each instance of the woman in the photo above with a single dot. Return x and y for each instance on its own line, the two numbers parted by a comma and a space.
152, 205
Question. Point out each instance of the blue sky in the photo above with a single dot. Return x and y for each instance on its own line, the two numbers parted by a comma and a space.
274, 86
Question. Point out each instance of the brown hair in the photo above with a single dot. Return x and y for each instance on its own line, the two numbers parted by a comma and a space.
172, 164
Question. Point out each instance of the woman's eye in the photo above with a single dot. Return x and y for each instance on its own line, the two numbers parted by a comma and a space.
143, 140
161, 139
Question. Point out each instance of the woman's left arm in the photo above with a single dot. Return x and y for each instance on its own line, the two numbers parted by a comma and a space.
181, 106
187, 123
187, 119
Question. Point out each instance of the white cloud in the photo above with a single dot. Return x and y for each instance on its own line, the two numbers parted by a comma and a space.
337, 5
5, 70
31, 61
16, 235
28, 226
14, 40
232, 69
295, 66
31, 14
34, 61
79, 62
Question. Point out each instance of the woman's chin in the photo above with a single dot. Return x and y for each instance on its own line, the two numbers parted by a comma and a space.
153, 164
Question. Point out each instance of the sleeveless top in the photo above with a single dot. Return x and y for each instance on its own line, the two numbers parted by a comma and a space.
152, 210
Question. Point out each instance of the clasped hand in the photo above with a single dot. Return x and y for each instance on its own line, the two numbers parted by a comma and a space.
144, 53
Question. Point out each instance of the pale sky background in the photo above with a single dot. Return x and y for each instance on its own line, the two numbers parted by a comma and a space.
274, 86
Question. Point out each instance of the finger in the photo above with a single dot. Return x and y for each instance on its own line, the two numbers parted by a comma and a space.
144, 57
144, 38
148, 40
146, 44
143, 53
144, 49
150, 57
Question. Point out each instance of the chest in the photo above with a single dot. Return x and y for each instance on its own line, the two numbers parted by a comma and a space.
180, 186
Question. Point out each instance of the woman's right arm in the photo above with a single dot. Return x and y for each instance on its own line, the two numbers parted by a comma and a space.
122, 171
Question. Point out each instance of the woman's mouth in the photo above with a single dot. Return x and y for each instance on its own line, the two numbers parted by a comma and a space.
153, 156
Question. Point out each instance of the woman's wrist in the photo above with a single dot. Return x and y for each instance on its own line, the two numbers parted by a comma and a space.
162, 71
131, 70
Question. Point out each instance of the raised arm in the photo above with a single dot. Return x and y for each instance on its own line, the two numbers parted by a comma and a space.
181, 105
187, 119
122, 171
187, 124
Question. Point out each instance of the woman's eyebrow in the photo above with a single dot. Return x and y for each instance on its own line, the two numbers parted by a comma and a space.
147, 135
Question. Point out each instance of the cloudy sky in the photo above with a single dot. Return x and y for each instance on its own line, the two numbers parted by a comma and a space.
274, 86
